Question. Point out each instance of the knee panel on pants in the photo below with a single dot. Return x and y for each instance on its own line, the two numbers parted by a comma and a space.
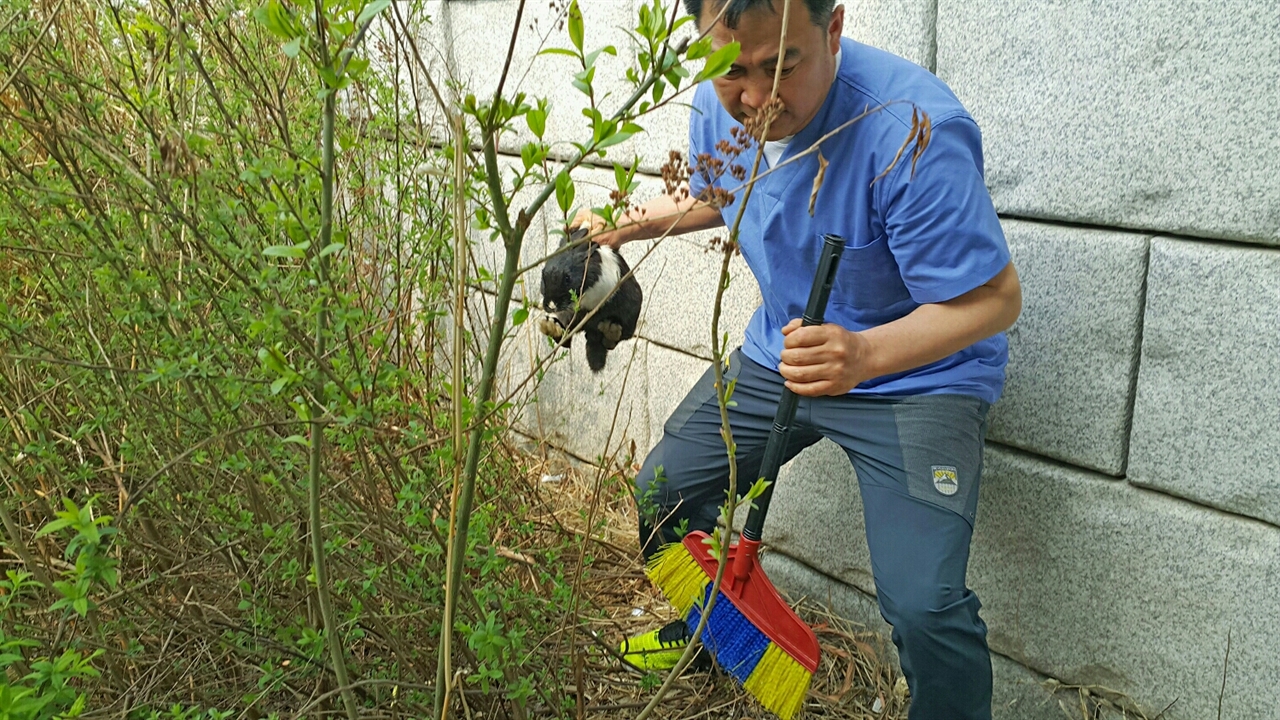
925, 616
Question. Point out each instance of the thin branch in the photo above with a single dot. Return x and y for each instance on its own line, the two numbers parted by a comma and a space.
302, 712
21, 63
460, 256
138, 492
20, 547
506, 66
721, 399
1223, 691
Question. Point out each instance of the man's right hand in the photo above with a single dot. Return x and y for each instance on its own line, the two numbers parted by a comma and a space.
599, 231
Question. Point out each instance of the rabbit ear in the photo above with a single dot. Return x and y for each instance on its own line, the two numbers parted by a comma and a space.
574, 235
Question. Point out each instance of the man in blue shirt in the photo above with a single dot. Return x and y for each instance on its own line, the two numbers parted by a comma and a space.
912, 354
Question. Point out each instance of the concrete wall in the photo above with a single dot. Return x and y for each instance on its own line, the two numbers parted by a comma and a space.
1131, 501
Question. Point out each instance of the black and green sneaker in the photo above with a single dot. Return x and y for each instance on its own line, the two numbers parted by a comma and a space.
661, 649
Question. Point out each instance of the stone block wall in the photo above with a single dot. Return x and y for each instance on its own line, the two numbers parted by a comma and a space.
1130, 510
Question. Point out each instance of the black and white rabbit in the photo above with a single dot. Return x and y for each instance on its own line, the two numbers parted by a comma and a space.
575, 282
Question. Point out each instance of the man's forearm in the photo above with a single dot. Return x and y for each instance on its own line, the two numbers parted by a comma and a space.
663, 215
934, 331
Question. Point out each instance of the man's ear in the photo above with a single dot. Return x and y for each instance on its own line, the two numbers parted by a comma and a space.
835, 28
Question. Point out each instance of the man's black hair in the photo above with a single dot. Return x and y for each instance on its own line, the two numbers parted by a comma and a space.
819, 10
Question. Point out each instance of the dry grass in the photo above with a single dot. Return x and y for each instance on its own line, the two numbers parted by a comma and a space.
856, 678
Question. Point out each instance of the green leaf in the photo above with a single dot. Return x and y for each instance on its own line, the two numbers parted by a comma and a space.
528, 155
331, 248
620, 176
371, 11
297, 440
537, 119
643, 27
293, 47
559, 51
606, 213
614, 139
331, 79
575, 25
608, 135
519, 316
276, 19
757, 488
582, 81
590, 60
274, 360
278, 384
54, 526
699, 49
718, 63
289, 251
357, 66
340, 30
564, 192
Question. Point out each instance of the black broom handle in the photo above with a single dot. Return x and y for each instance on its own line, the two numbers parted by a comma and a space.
832, 247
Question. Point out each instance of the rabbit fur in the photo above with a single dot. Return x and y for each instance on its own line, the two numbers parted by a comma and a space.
581, 278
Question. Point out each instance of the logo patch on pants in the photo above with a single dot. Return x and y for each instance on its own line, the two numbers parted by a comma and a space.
944, 480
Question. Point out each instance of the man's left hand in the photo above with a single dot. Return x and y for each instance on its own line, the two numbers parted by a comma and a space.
824, 359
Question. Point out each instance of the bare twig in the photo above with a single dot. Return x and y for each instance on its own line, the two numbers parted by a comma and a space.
458, 391
1223, 690
721, 398
35, 43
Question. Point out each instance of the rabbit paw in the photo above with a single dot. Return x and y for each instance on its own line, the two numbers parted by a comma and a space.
551, 327
612, 332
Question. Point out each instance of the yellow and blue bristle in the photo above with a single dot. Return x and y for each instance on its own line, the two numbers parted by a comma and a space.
738, 646
736, 643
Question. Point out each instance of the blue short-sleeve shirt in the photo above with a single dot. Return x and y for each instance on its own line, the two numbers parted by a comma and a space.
910, 240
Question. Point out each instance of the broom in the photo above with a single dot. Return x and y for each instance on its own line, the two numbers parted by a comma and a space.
751, 632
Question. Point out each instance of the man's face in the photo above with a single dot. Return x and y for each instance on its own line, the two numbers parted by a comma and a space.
808, 63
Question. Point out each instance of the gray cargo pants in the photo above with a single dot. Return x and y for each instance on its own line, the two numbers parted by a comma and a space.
918, 460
